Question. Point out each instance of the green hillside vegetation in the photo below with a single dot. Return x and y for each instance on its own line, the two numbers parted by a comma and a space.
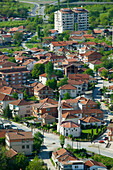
12, 8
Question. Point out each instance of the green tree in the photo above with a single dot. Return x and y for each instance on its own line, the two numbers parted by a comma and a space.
66, 96
67, 3
97, 129
75, 26
52, 83
12, 59
17, 118
92, 132
62, 140
21, 161
58, 73
3, 159
58, 4
36, 164
15, 95
89, 71
37, 70
49, 69
104, 73
7, 112
38, 140
38, 31
25, 95
63, 82
18, 37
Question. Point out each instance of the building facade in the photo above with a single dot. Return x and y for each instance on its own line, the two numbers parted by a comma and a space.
66, 19
20, 141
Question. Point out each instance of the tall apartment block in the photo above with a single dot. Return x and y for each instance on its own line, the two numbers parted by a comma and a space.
14, 75
66, 18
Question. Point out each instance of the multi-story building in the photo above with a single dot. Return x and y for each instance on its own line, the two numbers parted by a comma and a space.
14, 75
66, 18
20, 141
81, 17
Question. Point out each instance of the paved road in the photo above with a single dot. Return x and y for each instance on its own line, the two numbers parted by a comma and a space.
88, 3
33, 13
51, 143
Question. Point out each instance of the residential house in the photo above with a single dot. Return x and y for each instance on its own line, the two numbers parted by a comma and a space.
49, 100
10, 91
77, 38
21, 108
86, 103
4, 101
53, 32
47, 119
11, 153
70, 128
68, 88
63, 51
14, 75
90, 121
42, 61
94, 63
56, 45
6, 38
7, 64
40, 109
70, 69
78, 84
78, 33
20, 142
29, 64
91, 56
70, 117
64, 159
94, 165
43, 78
97, 113
42, 91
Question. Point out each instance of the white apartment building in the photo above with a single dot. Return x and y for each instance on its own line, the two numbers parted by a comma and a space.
66, 18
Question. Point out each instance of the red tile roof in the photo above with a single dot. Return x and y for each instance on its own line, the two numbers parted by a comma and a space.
69, 115
68, 87
91, 163
11, 153
19, 135
69, 124
90, 119
19, 102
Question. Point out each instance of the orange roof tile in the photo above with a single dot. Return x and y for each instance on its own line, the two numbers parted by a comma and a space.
68, 87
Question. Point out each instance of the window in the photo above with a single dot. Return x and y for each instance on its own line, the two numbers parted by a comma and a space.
93, 105
23, 146
88, 105
13, 74
23, 141
27, 146
76, 166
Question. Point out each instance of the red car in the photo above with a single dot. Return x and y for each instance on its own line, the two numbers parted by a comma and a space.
101, 141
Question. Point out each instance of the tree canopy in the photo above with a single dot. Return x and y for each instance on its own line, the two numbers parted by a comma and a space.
66, 96
62, 82
7, 112
52, 83
37, 70
62, 140
49, 69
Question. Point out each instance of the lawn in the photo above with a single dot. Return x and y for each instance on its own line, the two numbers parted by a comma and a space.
86, 131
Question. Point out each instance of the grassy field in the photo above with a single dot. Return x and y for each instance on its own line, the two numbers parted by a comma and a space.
27, 5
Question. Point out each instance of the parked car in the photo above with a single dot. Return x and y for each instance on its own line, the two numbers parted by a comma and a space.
101, 141
106, 138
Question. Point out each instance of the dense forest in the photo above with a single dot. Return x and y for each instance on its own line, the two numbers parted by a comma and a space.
11, 8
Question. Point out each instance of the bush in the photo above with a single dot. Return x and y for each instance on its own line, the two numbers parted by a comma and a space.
2, 141
17, 118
